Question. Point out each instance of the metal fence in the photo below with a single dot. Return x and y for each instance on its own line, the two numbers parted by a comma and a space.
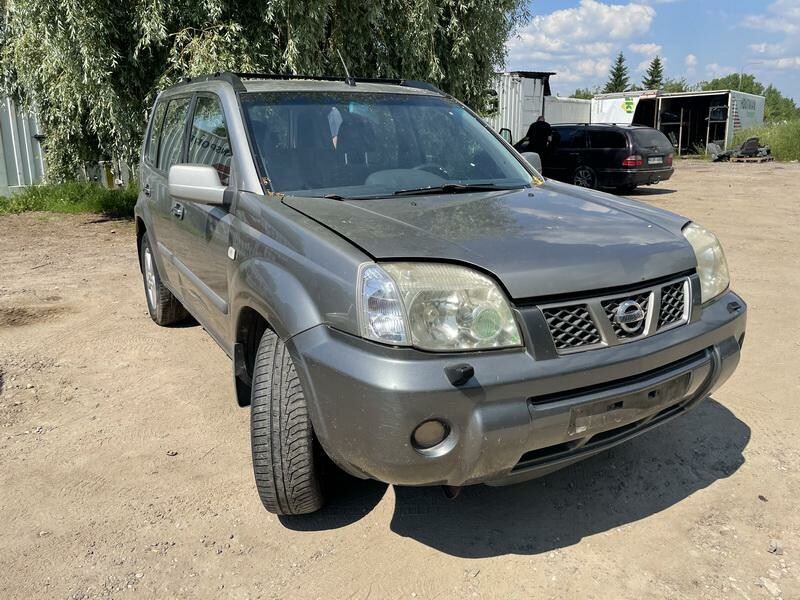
21, 156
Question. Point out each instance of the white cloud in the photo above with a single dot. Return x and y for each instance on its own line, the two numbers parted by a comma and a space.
595, 48
690, 62
591, 21
787, 62
580, 42
647, 49
782, 16
717, 70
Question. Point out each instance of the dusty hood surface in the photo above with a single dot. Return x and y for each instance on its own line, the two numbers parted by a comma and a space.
553, 239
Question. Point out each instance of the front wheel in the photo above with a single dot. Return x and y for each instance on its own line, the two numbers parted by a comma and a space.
584, 177
282, 439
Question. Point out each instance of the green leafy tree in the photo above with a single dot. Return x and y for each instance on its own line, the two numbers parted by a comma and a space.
618, 80
675, 85
583, 94
654, 78
742, 82
92, 68
777, 107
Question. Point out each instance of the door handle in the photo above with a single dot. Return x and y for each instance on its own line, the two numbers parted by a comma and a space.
146, 190
177, 210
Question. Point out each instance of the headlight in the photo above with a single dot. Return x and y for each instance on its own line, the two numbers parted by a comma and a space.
711, 264
434, 307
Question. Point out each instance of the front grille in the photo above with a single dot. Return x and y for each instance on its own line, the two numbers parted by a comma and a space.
604, 321
673, 304
571, 327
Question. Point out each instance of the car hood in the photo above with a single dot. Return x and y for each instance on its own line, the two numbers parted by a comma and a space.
548, 240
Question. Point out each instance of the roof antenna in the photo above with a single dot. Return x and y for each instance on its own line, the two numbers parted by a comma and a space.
347, 79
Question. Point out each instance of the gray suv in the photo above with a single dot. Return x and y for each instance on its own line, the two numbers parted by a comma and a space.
402, 294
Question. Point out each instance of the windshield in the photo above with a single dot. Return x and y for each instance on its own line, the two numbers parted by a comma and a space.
369, 145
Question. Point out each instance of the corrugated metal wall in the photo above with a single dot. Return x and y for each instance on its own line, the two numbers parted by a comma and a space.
566, 110
520, 100
21, 157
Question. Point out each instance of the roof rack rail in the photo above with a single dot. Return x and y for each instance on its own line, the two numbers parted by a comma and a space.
235, 79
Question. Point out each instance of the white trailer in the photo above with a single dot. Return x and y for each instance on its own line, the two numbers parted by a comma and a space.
523, 96
690, 119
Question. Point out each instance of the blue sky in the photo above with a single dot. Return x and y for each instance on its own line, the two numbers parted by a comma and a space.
699, 39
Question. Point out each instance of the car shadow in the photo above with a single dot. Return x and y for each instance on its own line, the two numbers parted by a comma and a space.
625, 484
649, 191
628, 483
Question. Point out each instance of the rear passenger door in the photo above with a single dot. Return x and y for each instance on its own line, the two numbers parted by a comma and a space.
203, 230
608, 147
164, 149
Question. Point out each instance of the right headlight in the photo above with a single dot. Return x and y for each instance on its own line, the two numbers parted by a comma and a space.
712, 268
434, 306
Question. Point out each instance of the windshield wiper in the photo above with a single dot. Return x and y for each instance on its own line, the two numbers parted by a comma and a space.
454, 188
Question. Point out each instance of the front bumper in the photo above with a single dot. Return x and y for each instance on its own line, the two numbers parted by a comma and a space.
518, 417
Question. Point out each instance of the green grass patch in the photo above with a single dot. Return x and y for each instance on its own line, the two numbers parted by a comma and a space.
72, 197
782, 138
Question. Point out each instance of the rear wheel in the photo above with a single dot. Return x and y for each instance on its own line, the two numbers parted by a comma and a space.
163, 306
584, 177
286, 470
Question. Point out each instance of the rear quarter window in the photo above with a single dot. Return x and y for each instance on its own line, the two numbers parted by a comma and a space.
649, 138
607, 138
151, 150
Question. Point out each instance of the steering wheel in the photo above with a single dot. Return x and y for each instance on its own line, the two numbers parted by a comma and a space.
433, 168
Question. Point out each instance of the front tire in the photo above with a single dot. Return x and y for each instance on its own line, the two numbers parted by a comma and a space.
584, 177
163, 306
282, 440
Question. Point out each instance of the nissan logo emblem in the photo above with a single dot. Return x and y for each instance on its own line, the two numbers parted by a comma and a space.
629, 316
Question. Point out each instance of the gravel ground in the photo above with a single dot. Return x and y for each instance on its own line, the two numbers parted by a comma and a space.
125, 467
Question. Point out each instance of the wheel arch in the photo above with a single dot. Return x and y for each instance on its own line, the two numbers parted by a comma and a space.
141, 229
250, 327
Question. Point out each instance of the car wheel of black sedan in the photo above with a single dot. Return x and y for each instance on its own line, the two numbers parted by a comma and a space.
584, 177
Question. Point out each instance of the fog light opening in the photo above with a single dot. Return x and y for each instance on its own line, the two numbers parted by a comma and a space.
429, 434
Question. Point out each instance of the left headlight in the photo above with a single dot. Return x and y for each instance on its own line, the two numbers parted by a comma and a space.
432, 306
712, 268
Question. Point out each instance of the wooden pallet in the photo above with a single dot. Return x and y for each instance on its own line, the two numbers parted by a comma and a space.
753, 159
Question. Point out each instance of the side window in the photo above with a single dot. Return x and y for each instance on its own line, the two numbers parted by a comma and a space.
208, 141
565, 138
151, 153
606, 138
578, 139
171, 140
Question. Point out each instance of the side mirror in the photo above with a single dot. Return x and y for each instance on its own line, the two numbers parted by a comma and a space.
533, 159
196, 183
505, 133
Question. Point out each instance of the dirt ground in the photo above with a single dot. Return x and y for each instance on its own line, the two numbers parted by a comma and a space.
125, 467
